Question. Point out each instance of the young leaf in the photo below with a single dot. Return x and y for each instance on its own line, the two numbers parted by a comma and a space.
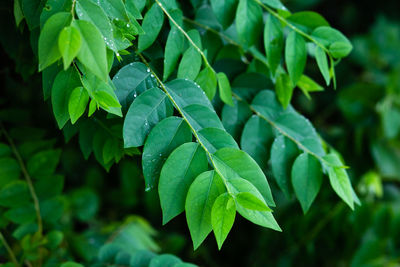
322, 62
69, 43
233, 163
152, 23
48, 39
283, 154
89, 11
339, 179
263, 218
78, 101
65, 82
222, 217
224, 10
284, 89
183, 165
273, 42
173, 50
248, 22
207, 80
146, 111
340, 49
295, 56
162, 140
251, 202
199, 201
93, 50
306, 179
306, 85
102, 92
225, 91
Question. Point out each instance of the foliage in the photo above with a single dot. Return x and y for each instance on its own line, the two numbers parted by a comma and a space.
198, 98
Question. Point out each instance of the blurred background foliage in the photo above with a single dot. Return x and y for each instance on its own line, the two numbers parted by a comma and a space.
361, 119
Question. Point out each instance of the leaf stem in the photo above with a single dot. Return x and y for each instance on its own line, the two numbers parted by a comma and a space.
9, 250
187, 121
27, 178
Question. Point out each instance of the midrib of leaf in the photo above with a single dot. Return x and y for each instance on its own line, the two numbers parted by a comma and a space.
196, 135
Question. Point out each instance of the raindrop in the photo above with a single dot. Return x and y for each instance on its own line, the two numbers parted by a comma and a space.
148, 70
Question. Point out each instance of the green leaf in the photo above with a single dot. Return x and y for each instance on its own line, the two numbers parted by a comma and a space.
333, 39
322, 62
215, 139
69, 43
132, 80
284, 89
93, 50
199, 201
115, 9
152, 23
78, 101
48, 39
89, 11
132, 9
306, 84
283, 154
167, 135
248, 22
251, 202
225, 91
256, 140
142, 258
307, 20
173, 50
339, 179
262, 218
190, 64
233, 163
21, 215
273, 42
224, 10
222, 217
65, 82
165, 260
340, 49
146, 111
306, 179
183, 165
295, 56
208, 82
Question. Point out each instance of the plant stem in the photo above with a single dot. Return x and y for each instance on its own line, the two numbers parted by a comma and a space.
27, 178
9, 250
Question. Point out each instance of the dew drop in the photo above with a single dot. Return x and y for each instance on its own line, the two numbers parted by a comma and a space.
148, 70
